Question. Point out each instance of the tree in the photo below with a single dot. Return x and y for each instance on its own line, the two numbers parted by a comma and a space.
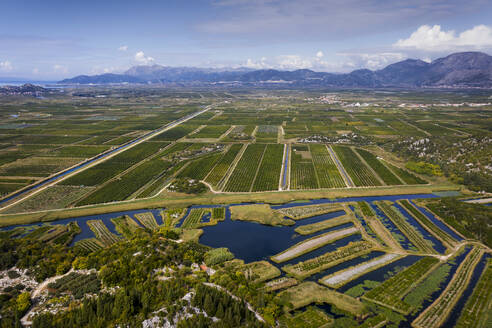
23, 302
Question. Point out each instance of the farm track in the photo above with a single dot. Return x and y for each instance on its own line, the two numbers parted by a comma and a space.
64, 174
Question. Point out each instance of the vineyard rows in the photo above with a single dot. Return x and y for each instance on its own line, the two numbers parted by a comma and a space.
406, 176
193, 219
328, 174
222, 166
384, 173
199, 169
269, 170
356, 169
303, 175
242, 177
89, 244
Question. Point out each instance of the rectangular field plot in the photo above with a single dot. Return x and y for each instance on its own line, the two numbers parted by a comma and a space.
439, 310
267, 133
327, 171
78, 151
102, 233
359, 173
342, 277
147, 220
406, 176
413, 235
104, 171
391, 291
302, 173
305, 269
199, 168
244, 173
221, 168
37, 166
210, 131
127, 184
384, 173
312, 244
269, 172
176, 132
477, 308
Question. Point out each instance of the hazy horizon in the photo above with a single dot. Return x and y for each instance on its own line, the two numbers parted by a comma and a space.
55, 39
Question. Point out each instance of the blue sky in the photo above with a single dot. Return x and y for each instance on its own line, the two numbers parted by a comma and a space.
53, 39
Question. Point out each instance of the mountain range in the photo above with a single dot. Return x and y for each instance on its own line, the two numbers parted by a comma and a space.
464, 69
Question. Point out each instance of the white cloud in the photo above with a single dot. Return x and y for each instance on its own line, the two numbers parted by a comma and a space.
260, 64
60, 69
96, 70
433, 38
123, 48
319, 54
293, 62
142, 59
6, 66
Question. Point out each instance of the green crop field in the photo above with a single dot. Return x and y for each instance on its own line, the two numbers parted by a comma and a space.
269, 171
358, 171
327, 171
244, 173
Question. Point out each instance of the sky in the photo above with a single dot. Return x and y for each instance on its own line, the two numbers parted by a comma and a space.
55, 39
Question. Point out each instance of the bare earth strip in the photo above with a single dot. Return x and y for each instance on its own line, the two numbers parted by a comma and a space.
342, 277
312, 243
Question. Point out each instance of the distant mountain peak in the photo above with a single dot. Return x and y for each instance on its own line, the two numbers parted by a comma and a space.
464, 69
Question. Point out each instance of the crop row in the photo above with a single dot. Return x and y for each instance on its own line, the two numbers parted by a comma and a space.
222, 166
327, 171
308, 229
218, 213
391, 292
175, 133
102, 172
406, 176
342, 277
270, 168
305, 269
366, 209
406, 228
210, 131
199, 168
384, 173
147, 220
302, 212
428, 224
439, 310
193, 218
244, 173
477, 307
102, 233
126, 226
89, 244
356, 169
302, 175
129, 183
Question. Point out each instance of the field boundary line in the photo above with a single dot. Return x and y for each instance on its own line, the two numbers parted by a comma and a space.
231, 168
368, 166
258, 168
346, 178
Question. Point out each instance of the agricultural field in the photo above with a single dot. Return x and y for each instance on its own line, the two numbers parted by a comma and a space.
305, 269
415, 237
326, 169
363, 158
303, 174
391, 292
438, 311
302, 212
102, 233
359, 173
147, 220
244, 173
476, 312
342, 277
